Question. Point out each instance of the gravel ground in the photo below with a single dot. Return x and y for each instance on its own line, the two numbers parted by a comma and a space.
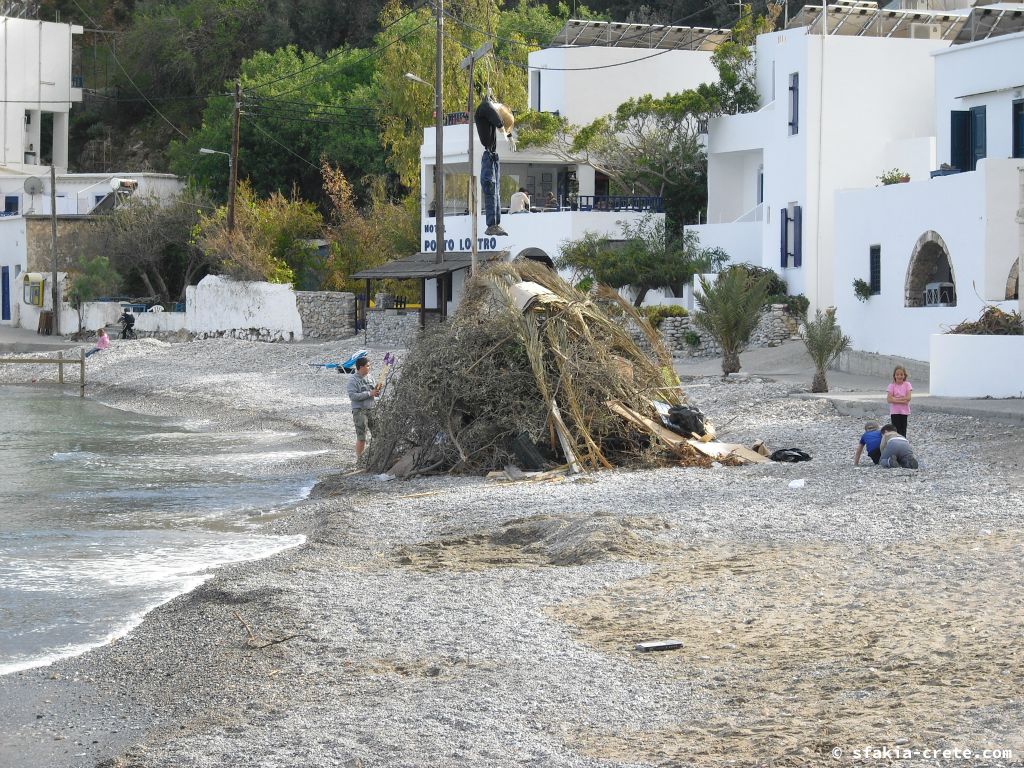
460, 622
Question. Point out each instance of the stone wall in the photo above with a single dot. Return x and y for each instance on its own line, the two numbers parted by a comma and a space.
326, 314
776, 326
396, 327
38, 240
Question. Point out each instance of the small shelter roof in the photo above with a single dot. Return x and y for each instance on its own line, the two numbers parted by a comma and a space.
425, 265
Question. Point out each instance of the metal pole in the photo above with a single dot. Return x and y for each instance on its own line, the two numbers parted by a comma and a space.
473, 207
54, 292
233, 157
81, 373
439, 134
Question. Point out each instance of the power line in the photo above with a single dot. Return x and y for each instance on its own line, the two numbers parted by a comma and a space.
283, 146
151, 104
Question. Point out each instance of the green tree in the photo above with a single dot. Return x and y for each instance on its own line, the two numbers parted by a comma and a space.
368, 237
825, 341
412, 49
299, 108
150, 243
92, 277
730, 309
647, 257
270, 241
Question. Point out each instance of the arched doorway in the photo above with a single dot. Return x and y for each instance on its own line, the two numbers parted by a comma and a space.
1013, 281
536, 254
930, 279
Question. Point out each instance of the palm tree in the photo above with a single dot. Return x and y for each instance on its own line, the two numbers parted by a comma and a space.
825, 341
730, 309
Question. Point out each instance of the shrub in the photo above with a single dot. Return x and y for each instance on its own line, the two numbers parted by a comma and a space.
692, 339
658, 313
776, 285
861, 289
795, 305
895, 176
825, 341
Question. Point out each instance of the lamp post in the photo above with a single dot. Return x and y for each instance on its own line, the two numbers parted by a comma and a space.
474, 209
231, 186
438, 166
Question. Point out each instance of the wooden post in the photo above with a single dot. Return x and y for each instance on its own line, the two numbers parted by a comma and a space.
60, 366
423, 302
81, 373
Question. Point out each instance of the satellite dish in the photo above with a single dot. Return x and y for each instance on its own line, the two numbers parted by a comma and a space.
33, 185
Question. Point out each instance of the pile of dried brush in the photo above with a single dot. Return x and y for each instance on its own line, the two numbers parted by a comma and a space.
527, 360
992, 322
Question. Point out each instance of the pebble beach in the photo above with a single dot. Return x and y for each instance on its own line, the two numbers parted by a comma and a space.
459, 621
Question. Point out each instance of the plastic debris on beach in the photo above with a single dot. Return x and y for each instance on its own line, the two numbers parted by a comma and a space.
531, 378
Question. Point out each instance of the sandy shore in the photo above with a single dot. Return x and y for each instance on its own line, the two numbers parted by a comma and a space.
457, 622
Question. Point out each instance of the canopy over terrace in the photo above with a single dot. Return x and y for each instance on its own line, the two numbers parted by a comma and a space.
425, 266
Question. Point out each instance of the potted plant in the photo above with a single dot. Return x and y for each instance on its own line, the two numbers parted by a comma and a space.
895, 176
861, 289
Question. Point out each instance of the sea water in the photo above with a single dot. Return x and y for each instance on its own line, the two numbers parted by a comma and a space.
105, 514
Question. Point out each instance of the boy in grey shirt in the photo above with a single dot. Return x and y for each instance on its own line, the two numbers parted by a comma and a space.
362, 391
896, 450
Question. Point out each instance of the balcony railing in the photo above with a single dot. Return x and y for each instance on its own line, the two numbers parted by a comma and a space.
617, 203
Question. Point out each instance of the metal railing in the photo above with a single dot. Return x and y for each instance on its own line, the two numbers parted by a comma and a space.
618, 203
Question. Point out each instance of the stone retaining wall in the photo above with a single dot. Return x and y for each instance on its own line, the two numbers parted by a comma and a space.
396, 327
678, 333
326, 314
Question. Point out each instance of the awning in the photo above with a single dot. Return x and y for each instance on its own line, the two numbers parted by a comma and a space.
424, 265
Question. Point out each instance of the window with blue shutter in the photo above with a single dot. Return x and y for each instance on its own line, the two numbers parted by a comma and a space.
875, 269
798, 236
979, 146
794, 103
960, 140
784, 244
1018, 128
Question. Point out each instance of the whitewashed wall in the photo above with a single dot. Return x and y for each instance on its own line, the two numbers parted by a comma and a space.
13, 256
986, 72
977, 366
862, 103
582, 95
958, 208
36, 74
219, 306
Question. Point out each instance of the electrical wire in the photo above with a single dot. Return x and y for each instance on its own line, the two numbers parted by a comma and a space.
283, 146
151, 104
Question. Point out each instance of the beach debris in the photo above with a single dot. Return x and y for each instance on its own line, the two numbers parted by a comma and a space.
797, 484
258, 642
659, 645
790, 455
524, 374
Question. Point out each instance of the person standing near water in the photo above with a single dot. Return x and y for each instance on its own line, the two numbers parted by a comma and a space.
363, 393
898, 396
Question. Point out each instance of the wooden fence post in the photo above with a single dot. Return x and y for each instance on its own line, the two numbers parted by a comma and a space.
81, 382
60, 366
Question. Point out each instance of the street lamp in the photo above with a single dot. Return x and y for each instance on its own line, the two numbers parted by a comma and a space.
231, 187
438, 165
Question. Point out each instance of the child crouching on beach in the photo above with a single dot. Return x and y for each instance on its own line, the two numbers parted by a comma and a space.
896, 450
871, 441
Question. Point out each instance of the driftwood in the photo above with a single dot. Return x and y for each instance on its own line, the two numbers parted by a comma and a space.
526, 357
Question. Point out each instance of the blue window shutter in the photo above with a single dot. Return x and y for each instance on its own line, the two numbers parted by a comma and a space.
798, 236
784, 249
960, 140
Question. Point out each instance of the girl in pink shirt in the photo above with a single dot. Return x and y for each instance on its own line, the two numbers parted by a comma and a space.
102, 342
898, 397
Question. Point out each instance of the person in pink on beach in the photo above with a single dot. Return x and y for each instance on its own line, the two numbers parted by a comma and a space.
898, 396
102, 342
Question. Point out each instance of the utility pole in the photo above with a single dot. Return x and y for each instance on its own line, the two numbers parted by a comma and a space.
474, 209
233, 157
54, 292
439, 134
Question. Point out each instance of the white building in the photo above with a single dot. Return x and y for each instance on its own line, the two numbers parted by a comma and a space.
590, 69
938, 250
837, 111
38, 92
35, 72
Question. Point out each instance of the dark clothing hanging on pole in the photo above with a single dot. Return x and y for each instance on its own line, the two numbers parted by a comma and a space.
487, 122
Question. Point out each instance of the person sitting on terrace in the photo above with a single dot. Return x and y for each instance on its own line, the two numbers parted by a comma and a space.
520, 202
551, 202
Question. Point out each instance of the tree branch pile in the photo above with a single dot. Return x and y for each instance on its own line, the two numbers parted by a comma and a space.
530, 361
